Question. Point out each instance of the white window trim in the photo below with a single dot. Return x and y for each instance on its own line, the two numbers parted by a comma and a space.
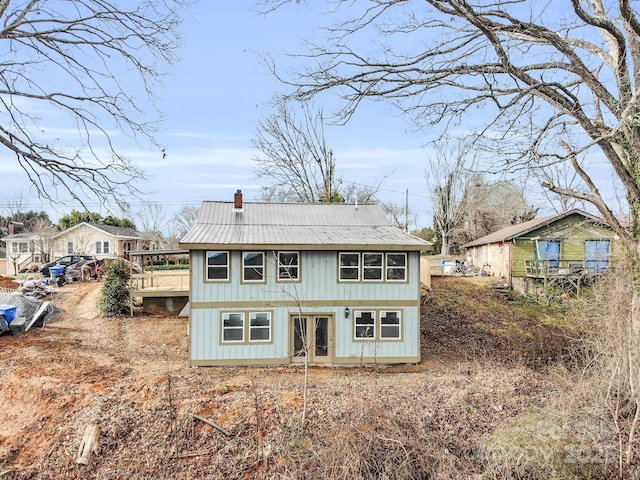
381, 268
341, 267
399, 324
102, 247
376, 331
227, 266
356, 315
252, 316
388, 267
263, 267
15, 248
288, 278
241, 328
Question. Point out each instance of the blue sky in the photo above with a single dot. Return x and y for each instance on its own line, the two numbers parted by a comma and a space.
213, 100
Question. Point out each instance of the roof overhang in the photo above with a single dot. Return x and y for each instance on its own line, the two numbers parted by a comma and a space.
307, 247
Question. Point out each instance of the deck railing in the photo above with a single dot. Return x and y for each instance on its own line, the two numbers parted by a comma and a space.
155, 281
564, 267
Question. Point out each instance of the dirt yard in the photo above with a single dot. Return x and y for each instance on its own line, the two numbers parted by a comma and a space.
130, 377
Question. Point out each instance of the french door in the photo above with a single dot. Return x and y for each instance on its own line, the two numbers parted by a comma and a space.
312, 336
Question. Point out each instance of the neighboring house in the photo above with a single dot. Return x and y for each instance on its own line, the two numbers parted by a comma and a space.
3, 261
95, 239
567, 248
23, 249
265, 277
152, 241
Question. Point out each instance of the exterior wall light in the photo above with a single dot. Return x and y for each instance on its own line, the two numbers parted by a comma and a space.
346, 312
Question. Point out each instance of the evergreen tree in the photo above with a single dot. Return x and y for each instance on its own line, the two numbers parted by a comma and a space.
115, 290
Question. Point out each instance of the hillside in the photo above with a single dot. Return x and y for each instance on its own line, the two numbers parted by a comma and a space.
484, 363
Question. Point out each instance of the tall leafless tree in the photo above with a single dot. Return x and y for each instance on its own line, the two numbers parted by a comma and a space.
295, 157
91, 64
183, 220
448, 177
540, 83
150, 217
493, 205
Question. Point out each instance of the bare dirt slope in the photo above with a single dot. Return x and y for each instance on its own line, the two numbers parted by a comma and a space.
130, 376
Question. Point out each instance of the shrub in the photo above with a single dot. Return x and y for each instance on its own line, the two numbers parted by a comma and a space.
115, 290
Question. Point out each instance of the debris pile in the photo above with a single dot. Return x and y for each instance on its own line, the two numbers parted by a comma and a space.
28, 307
35, 287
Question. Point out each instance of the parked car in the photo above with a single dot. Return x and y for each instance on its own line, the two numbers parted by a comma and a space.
63, 261
74, 272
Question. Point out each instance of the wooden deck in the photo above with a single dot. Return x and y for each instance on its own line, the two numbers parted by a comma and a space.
568, 275
160, 284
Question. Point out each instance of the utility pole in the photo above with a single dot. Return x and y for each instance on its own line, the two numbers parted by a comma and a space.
406, 212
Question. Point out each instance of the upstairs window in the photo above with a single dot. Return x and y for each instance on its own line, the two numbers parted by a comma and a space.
349, 268
217, 266
288, 266
253, 267
372, 267
396, 267
70, 248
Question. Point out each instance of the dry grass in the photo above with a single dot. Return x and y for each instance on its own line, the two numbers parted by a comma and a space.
474, 391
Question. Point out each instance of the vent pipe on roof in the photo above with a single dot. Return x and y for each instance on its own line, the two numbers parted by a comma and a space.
237, 200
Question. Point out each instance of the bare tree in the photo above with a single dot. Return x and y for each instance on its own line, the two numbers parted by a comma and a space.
183, 220
447, 179
493, 205
554, 82
561, 174
88, 60
295, 157
44, 231
151, 217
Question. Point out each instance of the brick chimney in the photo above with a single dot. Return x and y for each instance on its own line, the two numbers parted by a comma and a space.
237, 200
15, 227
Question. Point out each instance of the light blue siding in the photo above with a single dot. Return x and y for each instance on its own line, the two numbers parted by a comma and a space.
318, 291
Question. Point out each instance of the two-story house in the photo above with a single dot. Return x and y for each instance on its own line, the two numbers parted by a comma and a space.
273, 283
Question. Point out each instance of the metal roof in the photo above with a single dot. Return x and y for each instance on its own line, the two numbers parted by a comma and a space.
296, 225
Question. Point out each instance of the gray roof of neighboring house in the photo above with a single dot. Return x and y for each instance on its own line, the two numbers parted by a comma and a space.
148, 235
515, 231
110, 229
20, 236
296, 225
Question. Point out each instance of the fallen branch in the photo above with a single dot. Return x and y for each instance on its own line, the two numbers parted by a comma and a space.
196, 453
226, 433
89, 444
